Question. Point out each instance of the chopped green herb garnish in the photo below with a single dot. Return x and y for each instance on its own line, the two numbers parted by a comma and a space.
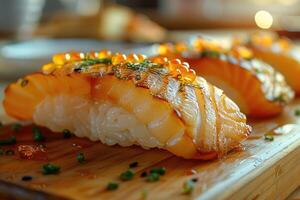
9, 152
280, 99
257, 70
37, 134
67, 133
9, 141
24, 82
159, 170
92, 61
2, 151
212, 54
152, 177
112, 186
297, 112
16, 127
144, 193
50, 169
188, 187
127, 175
134, 164
139, 66
269, 138
80, 158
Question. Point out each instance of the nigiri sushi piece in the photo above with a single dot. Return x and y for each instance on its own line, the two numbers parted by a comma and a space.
280, 53
258, 89
129, 100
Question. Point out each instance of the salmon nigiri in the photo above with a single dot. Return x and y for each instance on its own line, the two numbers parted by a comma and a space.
130, 100
258, 89
280, 53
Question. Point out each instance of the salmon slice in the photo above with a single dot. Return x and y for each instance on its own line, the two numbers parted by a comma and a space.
281, 54
258, 89
130, 101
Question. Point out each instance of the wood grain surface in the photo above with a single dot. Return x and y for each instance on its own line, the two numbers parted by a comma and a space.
258, 170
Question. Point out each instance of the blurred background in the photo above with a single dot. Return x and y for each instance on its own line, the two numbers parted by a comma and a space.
32, 30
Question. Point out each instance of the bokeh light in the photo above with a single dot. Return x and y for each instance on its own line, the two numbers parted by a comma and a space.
263, 19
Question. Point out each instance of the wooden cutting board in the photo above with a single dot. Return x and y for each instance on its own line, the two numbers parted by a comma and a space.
259, 170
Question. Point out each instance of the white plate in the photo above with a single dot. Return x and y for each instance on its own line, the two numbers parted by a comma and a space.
19, 58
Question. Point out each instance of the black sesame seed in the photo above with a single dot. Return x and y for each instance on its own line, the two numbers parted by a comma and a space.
67, 133
194, 180
26, 178
144, 174
77, 69
134, 164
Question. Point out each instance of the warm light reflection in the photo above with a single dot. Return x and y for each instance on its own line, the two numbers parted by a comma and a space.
288, 2
263, 19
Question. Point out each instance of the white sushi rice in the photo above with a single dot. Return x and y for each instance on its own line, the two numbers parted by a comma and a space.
95, 120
